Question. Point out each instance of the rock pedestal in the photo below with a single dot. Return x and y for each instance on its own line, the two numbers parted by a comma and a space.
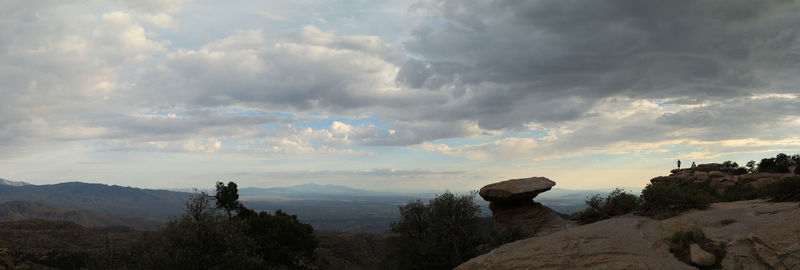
513, 208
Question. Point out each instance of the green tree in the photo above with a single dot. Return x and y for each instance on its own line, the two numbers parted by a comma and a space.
201, 238
439, 235
205, 238
227, 197
751, 166
281, 240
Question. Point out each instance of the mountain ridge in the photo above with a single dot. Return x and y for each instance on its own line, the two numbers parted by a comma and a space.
22, 210
128, 201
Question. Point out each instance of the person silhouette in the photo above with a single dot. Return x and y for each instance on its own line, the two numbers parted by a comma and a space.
679, 164
693, 165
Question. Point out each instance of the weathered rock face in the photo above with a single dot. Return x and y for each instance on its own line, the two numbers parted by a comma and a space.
513, 207
755, 234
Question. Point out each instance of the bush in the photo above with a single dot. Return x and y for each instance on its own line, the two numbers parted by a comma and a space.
766, 165
665, 199
739, 193
206, 238
618, 202
682, 239
200, 239
730, 164
439, 235
739, 171
786, 190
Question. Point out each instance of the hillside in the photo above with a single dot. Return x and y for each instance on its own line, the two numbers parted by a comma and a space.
21, 210
51, 244
128, 201
754, 235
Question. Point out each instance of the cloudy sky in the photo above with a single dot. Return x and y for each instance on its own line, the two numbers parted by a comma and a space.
392, 94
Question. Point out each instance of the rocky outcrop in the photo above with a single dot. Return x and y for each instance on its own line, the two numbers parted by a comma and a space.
720, 177
513, 208
754, 234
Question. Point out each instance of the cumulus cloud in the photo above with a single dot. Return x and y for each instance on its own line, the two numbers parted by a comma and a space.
58, 68
601, 77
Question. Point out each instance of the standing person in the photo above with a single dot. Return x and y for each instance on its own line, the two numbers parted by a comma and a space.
679, 164
693, 165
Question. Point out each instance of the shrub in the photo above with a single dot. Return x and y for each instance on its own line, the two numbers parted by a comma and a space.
730, 164
439, 235
766, 165
739, 171
618, 202
786, 190
682, 239
739, 193
797, 169
751, 166
665, 199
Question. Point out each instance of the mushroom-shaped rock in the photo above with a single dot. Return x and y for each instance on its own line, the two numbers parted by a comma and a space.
513, 208
516, 189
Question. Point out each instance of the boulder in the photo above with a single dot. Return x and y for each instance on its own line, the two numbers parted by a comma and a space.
516, 189
700, 257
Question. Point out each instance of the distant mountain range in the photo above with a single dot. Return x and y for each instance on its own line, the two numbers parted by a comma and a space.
312, 190
22, 210
327, 207
12, 183
128, 201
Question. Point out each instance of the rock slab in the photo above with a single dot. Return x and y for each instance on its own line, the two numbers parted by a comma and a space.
756, 235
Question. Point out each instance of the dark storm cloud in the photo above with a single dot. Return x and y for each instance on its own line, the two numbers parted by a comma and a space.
514, 56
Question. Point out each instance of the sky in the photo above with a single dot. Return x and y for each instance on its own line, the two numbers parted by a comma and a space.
392, 95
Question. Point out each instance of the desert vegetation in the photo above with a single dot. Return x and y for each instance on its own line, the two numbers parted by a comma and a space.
221, 235
680, 245
665, 199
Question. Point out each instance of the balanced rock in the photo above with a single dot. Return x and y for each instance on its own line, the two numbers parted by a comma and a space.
513, 208
516, 189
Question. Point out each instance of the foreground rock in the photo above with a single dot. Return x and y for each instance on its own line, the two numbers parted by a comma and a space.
755, 234
701, 257
513, 208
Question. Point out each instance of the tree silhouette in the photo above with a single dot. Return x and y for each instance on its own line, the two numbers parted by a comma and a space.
227, 197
